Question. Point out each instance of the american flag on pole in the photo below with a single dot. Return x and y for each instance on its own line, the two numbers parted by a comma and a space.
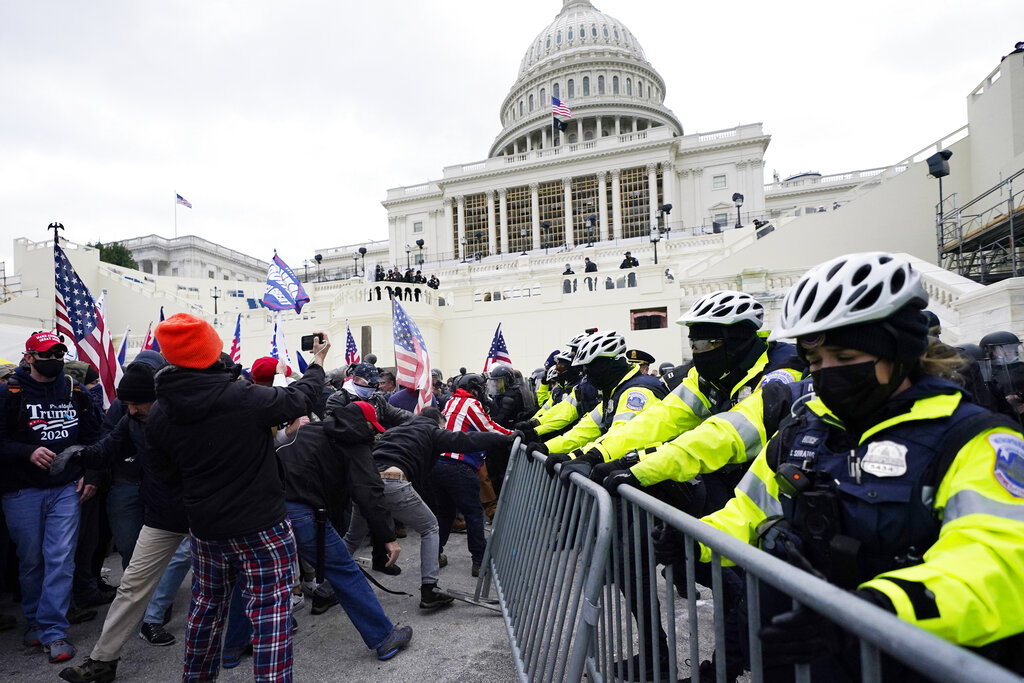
81, 319
351, 350
498, 352
411, 359
560, 108
236, 343
184, 202
150, 343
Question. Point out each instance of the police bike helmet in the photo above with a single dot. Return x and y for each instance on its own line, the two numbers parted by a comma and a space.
665, 367
851, 290
724, 308
474, 383
564, 372
607, 344
500, 378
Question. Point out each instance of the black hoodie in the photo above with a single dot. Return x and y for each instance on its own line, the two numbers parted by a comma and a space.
216, 433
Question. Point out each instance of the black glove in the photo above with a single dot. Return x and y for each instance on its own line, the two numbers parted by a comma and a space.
526, 424
554, 459
612, 481
536, 446
69, 454
527, 427
601, 472
516, 434
799, 636
576, 465
668, 545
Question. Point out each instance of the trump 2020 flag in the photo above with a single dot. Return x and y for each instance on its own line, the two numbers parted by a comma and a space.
411, 359
351, 351
81, 319
498, 352
284, 291
236, 343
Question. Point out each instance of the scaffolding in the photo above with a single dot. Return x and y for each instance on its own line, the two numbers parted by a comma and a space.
984, 239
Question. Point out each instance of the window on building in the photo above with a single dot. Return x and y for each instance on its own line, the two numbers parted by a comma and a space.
629, 86
417, 226
570, 34
476, 224
648, 318
589, 135
550, 200
615, 85
634, 202
570, 88
520, 222
555, 92
210, 274
531, 102
586, 86
593, 30
718, 182
605, 31
639, 88
520, 107
600, 85
572, 138
543, 97
722, 219
558, 38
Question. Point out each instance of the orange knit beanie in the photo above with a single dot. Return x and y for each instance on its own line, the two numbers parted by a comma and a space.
189, 341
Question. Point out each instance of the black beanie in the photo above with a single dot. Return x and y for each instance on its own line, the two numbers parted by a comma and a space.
902, 336
137, 385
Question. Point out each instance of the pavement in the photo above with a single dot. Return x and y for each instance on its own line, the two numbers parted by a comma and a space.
461, 642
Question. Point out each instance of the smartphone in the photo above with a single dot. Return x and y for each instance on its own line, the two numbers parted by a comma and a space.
307, 341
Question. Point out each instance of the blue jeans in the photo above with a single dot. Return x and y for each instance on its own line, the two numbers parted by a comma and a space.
169, 584
354, 593
124, 512
457, 486
238, 633
44, 526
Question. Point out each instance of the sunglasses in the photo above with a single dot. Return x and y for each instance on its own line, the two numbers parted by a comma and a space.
47, 355
702, 345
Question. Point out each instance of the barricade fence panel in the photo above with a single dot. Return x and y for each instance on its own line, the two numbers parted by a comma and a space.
584, 588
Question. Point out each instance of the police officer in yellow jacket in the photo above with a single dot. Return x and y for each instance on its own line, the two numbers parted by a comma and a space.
885, 479
572, 396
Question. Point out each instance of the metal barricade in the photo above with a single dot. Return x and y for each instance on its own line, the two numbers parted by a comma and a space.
579, 589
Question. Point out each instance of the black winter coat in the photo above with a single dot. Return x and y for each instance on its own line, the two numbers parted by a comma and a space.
387, 414
216, 433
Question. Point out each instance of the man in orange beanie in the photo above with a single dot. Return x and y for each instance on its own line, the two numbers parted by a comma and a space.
215, 433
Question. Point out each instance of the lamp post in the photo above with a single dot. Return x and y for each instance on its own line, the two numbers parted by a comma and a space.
355, 264
522, 240
305, 269
663, 211
737, 199
420, 243
215, 294
408, 263
546, 227
590, 223
362, 257
655, 238
462, 241
318, 258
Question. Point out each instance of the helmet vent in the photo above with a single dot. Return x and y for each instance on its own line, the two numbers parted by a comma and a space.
809, 301
899, 278
829, 305
861, 273
835, 269
869, 299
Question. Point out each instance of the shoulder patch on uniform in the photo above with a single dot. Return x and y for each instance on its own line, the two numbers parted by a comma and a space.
636, 400
777, 376
885, 459
1009, 467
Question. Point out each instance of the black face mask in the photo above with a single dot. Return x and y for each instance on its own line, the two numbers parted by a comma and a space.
605, 374
48, 367
852, 392
715, 364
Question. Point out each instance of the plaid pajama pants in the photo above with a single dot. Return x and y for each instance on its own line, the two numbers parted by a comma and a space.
263, 563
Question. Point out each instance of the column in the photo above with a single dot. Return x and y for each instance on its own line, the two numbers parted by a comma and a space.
534, 215
691, 209
698, 204
462, 226
491, 237
445, 234
567, 212
616, 205
602, 206
668, 179
579, 130
544, 137
503, 218
618, 124
515, 146
652, 190
742, 186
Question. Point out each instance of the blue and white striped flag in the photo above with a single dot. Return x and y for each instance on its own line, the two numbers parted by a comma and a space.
284, 291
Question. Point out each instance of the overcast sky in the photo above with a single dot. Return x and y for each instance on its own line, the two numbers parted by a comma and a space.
284, 123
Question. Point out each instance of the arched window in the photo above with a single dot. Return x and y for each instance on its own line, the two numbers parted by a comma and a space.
586, 86
570, 34
593, 30
531, 102
558, 38
583, 32
629, 86
555, 92
615, 85
639, 88
572, 138
605, 31
547, 43
520, 107
600, 85
589, 135
571, 88
543, 97
616, 34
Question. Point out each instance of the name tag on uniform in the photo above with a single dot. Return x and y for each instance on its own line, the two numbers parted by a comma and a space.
885, 459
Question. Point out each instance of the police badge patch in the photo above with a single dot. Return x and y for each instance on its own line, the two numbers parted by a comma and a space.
1009, 467
636, 400
777, 376
885, 459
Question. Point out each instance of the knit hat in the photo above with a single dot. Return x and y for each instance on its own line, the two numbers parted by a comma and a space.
263, 370
901, 336
188, 341
151, 358
91, 375
137, 385
368, 412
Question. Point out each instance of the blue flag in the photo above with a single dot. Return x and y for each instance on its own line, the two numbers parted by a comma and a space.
284, 291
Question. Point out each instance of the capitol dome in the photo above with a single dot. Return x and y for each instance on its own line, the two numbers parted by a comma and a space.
594, 65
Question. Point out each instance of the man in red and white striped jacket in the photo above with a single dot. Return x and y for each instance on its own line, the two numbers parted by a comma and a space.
455, 477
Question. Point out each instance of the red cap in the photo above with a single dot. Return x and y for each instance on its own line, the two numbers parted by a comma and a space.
263, 370
369, 413
44, 341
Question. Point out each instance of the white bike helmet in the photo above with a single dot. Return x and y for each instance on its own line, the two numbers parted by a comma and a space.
724, 308
607, 344
575, 342
850, 290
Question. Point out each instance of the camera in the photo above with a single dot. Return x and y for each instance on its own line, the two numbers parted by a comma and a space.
307, 341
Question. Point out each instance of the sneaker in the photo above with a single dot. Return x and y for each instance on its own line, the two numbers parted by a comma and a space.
322, 603
154, 634
31, 637
59, 650
393, 570
80, 615
399, 638
431, 597
7, 622
229, 660
442, 560
475, 570
298, 601
90, 671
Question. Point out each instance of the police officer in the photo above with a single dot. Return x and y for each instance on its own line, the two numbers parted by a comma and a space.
892, 483
578, 396
1002, 351
641, 359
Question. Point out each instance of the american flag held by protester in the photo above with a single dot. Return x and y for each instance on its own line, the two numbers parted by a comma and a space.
81, 319
498, 353
351, 350
236, 342
411, 358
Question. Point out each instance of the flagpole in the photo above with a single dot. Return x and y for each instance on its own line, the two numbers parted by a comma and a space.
175, 214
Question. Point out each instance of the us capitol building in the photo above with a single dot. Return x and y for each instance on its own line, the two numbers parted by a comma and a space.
621, 174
